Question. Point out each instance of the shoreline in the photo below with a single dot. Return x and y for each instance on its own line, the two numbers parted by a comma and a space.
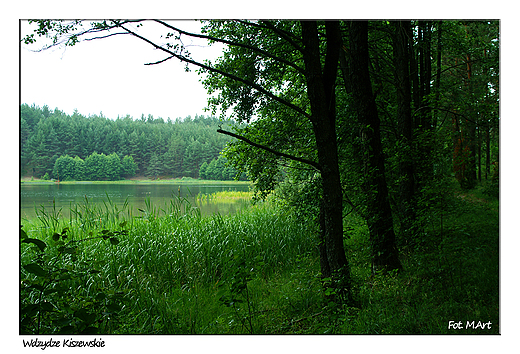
138, 181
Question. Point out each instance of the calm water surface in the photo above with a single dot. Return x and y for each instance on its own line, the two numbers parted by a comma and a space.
67, 195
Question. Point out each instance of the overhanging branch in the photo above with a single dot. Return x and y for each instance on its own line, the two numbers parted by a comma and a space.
237, 44
266, 148
223, 73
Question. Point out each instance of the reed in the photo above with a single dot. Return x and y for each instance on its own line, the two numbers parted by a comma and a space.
173, 257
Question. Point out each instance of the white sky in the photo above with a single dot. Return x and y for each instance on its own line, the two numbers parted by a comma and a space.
109, 76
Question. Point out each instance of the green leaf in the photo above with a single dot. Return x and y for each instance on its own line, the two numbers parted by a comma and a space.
23, 234
86, 317
113, 308
41, 245
330, 291
46, 306
114, 240
35, 268
30, 310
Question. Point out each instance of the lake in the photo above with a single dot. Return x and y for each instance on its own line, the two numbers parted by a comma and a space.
160, 194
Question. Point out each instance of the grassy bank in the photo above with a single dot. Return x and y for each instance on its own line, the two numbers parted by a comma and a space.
255, 272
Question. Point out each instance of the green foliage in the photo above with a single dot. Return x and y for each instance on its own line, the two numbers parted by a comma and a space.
128, 166
234, 292
492, 188
95, 167
219, 169
79, 169
56, 293
202, 170
51, 138
64, 168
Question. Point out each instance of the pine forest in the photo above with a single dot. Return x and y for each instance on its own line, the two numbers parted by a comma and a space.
57, 146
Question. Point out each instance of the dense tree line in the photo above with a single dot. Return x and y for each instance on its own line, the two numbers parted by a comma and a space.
370, 117
96, 167
218, 169
102, 148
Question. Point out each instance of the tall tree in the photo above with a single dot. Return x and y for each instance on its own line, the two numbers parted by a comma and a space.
401, 48
321, 83
380, 220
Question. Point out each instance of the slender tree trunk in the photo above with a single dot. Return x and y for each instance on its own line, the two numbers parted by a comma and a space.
380, 222
402, 31
423, 111
479, 155
488, 152
439, 70
321, 93
428, 76
414, 77
425, 74
471, 130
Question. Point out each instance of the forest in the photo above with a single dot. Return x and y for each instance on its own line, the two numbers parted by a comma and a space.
373, 151
63, 147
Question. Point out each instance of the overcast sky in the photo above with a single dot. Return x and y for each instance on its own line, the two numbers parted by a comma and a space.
109, 76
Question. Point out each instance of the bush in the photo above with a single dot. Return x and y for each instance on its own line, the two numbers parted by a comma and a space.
55, 295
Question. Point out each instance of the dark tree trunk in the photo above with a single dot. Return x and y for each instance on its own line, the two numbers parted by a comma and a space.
439, 70
414, 76
423, 112
321, 93
402, 32
488, 151
425, 75
470, 129
380, 222
479, 154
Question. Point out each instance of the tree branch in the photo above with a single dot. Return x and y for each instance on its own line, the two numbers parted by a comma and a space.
466, 62
223, 73
285, 35
160, 61
277, 153
237, 44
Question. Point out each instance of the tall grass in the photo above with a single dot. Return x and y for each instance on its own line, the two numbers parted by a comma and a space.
174, 263
257, 271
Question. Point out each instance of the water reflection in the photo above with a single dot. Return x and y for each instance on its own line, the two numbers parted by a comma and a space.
160, 195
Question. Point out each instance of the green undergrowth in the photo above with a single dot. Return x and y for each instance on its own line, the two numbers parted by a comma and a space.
452, 274
173, 271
